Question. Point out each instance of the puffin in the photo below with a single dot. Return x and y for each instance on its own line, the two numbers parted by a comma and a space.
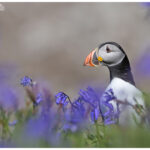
128, 96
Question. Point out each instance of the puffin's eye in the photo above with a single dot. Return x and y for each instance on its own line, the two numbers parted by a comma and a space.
108, 50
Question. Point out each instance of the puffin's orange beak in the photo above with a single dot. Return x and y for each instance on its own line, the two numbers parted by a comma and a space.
89, 59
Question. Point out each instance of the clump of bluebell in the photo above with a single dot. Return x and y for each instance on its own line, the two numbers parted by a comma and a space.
77, 114
31, 86
90, 105
48, 119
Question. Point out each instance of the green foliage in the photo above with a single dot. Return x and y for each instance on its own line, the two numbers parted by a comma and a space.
94, 135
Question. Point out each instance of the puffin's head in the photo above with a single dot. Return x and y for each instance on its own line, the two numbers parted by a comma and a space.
108, 54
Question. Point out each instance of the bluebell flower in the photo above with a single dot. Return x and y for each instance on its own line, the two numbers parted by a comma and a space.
90, 96
78, 104
43, 98
9, 94
8, 97
13, 123
36, 128
65, 103
74, 116
109, 115
26, 81
94, 114
61, 98
43, 126
38, 99
73, 120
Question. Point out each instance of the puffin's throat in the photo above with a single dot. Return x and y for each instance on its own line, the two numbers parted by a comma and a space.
122, 71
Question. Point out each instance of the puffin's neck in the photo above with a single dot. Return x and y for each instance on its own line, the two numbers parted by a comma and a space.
122, 71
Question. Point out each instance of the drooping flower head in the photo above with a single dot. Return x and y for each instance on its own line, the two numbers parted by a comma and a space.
73, 119
79, 105
110, 115
38, 99
61, 98
86, 106
91, 97
26, 81
73, 115
94, 114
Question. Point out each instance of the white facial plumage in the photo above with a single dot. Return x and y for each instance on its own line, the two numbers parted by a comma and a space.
110, 54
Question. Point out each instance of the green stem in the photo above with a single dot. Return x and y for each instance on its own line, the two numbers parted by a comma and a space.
97, 132
5, 124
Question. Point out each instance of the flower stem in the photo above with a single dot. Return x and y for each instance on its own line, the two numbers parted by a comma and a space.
97, 132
